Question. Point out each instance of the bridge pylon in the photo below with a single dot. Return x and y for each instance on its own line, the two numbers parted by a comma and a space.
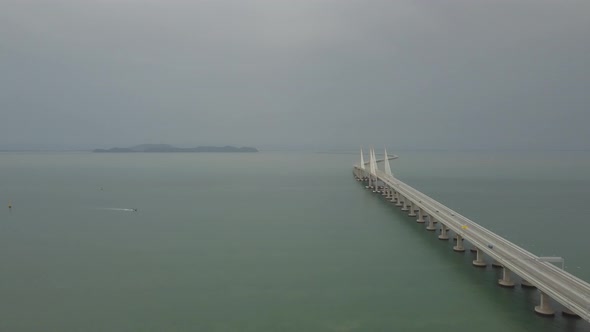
362, 165
373, 169
386, 166
372, 163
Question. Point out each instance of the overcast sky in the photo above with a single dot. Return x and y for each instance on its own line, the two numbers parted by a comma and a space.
298, 73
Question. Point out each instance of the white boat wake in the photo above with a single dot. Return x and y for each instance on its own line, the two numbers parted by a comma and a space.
119, 209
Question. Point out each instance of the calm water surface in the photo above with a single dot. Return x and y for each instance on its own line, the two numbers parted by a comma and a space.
275, 241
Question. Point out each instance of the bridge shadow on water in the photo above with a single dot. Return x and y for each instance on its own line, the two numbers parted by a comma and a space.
516, 304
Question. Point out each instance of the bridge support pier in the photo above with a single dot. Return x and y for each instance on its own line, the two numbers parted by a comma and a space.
399, 199
443, 232
459, 246
405, 204
430, 226
479, 262
526, 284
420, 219
506, 281
544, 308
393, 196
412, 212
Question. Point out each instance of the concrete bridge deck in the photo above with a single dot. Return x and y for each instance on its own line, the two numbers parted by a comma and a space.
565, 288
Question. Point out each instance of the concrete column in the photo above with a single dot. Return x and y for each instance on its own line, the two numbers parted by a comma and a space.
393, 196
473, 249
412, 212
404, 204
420, 219
431, 226
459, 246
443, 232
544, 308
399, 199
506, 280
479, 262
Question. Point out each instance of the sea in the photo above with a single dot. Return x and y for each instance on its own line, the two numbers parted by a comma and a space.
276, 241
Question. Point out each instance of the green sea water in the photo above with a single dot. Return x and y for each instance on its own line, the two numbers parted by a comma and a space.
275, 241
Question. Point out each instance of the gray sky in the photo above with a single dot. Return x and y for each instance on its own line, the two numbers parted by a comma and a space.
299, 73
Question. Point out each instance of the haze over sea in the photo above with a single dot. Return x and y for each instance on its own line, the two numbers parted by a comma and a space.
276, 241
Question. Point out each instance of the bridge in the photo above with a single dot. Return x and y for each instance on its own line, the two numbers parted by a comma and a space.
551, 281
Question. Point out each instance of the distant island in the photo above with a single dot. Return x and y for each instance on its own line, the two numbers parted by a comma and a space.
170, 148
